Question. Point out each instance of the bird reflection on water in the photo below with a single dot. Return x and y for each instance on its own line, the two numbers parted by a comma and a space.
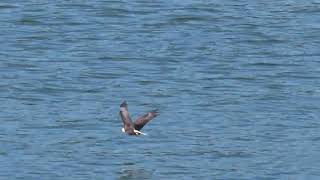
132, 171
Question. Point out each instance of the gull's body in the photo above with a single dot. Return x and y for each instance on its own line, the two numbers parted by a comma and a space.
133, 128
135, 131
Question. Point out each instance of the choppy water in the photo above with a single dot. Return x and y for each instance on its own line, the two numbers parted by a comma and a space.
236, 82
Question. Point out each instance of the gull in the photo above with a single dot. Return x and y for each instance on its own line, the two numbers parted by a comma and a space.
133, 128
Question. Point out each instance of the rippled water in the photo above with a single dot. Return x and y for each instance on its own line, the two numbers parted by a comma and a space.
236, 82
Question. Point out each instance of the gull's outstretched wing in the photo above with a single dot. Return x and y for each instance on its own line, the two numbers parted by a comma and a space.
127, 123
143, 120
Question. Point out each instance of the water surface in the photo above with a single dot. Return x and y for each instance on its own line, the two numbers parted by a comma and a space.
237, 85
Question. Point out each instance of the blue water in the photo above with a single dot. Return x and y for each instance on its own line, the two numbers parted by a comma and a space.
237, 84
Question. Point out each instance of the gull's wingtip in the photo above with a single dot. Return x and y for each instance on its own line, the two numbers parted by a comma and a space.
155, 112
124, 104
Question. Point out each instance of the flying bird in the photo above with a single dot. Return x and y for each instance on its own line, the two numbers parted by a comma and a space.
133, 128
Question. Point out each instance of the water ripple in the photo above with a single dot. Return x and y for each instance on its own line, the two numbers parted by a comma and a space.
236, 84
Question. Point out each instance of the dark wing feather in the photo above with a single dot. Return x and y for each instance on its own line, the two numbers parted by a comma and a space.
143, 120
127, 123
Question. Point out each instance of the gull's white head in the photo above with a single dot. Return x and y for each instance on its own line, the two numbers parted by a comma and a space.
135, 131
139, 132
